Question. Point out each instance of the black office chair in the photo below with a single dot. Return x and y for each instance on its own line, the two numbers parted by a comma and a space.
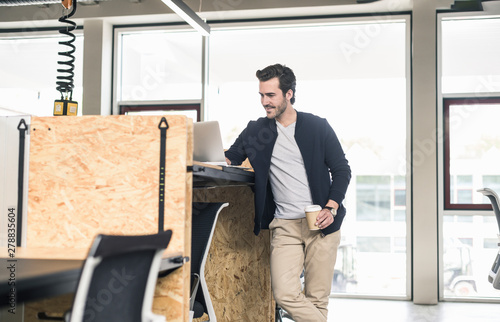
494, 276
118, 279
204, 218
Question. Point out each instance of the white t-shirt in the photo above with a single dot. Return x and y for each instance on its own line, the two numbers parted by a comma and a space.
288, 176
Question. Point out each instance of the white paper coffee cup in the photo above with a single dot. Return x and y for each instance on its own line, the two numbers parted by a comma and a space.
312, 212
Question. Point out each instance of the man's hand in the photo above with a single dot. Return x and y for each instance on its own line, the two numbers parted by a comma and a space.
324, 219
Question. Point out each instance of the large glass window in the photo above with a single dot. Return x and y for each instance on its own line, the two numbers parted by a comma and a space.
28, 72
470, 85
470, 51
342, 75
373, 202
158, 65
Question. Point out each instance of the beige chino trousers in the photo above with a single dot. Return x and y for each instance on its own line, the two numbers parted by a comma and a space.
295, 248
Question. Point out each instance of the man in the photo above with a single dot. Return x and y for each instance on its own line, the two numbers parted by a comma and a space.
298, 161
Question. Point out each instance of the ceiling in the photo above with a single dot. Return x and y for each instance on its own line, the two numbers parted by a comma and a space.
44, 13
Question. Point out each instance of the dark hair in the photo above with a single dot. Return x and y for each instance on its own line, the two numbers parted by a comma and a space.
284, 74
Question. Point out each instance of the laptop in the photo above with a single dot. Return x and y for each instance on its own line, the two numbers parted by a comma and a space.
207, 143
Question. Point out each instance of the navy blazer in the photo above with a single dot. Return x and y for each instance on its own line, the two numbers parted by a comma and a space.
327, 169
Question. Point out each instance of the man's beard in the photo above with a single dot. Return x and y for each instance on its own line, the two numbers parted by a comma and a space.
278, 110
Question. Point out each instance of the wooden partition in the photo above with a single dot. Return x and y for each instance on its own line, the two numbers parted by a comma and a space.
100, 174
237, 269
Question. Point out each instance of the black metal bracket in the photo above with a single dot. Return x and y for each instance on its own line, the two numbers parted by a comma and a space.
163, 126
22, 127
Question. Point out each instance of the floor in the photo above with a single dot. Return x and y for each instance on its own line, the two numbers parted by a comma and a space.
341, 310
405, 311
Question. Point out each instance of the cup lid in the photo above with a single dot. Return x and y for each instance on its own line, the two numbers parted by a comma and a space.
312, 208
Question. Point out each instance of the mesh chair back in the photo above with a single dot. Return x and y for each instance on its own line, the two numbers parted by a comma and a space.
115, 277
495, 202
494, 274
204, 217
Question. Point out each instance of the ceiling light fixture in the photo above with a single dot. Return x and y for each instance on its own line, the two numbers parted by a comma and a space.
182, 9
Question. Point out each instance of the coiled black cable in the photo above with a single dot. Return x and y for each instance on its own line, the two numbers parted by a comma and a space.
65, 82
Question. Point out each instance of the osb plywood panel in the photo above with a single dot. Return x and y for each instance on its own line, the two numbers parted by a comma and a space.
171, 296
237, 269
189, 203
100, 174
54, 307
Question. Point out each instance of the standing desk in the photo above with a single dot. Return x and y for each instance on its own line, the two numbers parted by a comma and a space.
237, 270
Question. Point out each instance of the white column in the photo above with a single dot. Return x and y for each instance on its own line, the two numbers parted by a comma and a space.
424, 154
97, 67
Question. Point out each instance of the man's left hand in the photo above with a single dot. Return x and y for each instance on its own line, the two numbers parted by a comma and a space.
324, 219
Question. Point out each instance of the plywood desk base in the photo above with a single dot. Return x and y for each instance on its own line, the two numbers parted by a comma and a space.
237, 269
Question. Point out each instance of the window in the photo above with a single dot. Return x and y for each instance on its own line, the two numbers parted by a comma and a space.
157, 66
190, 110
28, 71
469, 249
471, 151
491, 243
373, 202
470, 87
374, 244
348, 82
470, 51
399, 197
492, 182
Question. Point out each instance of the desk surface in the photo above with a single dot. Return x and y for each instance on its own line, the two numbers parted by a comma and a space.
207, 175
29, 279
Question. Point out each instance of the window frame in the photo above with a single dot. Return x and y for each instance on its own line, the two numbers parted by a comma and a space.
447, 102
124, 109
117, 104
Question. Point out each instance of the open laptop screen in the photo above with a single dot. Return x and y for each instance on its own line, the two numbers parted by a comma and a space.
207, 143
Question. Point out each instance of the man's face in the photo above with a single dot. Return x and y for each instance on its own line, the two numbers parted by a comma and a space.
272, 98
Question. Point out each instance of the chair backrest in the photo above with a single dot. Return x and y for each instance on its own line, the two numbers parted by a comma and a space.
204, 219
118, 278
495, 202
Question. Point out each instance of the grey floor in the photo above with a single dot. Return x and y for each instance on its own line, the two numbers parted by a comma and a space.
354, 310
404, 311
